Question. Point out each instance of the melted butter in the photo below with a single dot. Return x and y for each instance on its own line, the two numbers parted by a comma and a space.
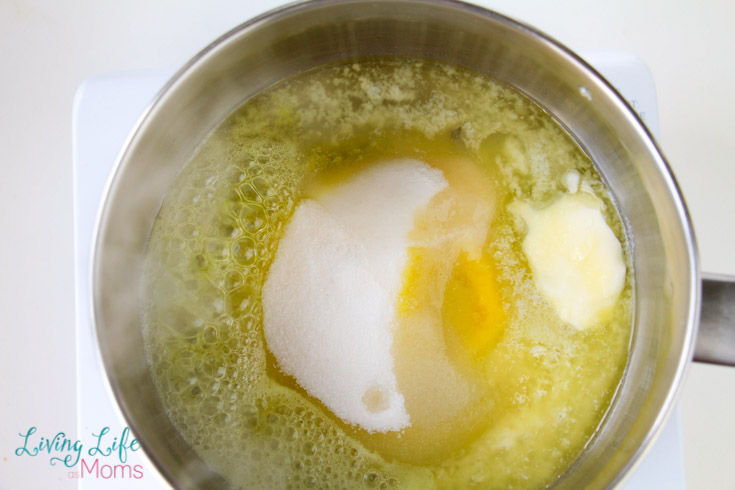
499, 403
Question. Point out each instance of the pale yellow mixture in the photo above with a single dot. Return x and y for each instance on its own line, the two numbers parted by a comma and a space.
502, 380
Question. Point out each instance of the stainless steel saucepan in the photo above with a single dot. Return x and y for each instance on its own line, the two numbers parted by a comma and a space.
301, 36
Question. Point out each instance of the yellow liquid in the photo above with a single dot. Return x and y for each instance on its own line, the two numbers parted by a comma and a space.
515, 394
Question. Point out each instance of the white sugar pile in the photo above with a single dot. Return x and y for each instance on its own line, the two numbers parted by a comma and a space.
328, 300
377, 207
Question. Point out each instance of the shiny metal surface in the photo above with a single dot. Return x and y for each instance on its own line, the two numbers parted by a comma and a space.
716, 338
289, 40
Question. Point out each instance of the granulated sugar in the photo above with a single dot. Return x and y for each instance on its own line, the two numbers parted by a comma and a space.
328, 300
377, 206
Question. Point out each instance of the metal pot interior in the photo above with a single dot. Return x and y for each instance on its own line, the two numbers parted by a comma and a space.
290, 40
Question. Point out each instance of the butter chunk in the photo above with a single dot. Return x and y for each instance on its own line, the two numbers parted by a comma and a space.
576, 259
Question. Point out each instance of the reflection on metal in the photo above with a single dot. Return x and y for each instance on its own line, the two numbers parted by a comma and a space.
716, 338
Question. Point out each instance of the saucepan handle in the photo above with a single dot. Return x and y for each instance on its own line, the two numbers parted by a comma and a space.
716, 337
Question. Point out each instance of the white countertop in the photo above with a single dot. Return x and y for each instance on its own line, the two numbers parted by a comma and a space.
47, 48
